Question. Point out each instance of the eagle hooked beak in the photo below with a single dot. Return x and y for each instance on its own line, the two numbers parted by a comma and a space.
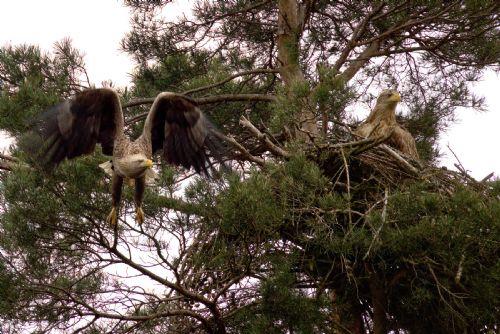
395, 97
148, 163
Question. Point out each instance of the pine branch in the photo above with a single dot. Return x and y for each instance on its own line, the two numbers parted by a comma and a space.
200, 101
358, 31
233, 13
178, 204
235, 97
219, 83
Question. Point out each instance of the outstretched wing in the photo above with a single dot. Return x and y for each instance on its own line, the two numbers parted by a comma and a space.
176, 125
74, 127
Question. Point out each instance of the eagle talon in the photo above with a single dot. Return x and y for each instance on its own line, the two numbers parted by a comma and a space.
139, 215
112, 218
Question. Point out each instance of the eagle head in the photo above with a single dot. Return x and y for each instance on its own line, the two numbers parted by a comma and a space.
389, 96
134, 165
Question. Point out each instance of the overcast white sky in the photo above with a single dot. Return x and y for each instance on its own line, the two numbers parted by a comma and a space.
97, 26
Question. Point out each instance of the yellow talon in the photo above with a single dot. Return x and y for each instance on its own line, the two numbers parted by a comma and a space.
139, 216
112, 218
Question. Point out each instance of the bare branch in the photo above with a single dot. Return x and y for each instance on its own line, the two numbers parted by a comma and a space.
209, 100
400, 159
138, 102
244, 10
244, 152
235, 97
8, 158
360, 61
360, 29
219, 83
263, 138
6, 166
201, 101
8, 163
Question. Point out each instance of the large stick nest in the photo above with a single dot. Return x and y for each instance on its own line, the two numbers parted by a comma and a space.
350, 161
373, 161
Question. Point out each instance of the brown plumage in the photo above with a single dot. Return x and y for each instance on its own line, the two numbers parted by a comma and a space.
382, 120
174, 125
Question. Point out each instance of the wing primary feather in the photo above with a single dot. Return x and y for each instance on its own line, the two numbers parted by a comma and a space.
176, 125
74, 127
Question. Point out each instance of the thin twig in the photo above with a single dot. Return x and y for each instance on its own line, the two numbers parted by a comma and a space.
235, 97
384, 217
346, 168
460, 167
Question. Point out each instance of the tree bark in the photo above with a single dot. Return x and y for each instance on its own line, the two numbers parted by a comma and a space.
379, 303
360, 61
292, 18
348, 320
355, 325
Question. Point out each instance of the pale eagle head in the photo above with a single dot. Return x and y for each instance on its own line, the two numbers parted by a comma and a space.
132, 166
389, 96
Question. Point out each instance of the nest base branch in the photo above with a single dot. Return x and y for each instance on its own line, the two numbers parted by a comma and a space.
242, 150
400, 160
273, 148
7, 162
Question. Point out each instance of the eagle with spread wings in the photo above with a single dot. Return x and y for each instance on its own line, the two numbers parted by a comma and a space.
382, 120
174, 125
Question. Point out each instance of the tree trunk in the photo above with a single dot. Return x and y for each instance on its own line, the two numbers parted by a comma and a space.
347, 319
355, 325
379, 303
360, 61
292, 18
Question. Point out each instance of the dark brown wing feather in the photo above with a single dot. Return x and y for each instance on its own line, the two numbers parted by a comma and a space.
74, 127
179, 128
404, 142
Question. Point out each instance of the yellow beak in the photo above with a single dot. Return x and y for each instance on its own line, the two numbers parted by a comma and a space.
148, 163
395, 97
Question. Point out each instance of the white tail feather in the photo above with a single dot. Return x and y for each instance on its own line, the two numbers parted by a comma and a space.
107, 167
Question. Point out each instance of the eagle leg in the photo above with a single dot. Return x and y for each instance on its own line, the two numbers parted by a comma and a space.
140, 184
116, 194
139, 215
112, 218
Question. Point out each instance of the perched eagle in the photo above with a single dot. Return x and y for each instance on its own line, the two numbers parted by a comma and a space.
174, 124
382, 120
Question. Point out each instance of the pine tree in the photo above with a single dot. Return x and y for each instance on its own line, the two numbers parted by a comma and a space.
314, 230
